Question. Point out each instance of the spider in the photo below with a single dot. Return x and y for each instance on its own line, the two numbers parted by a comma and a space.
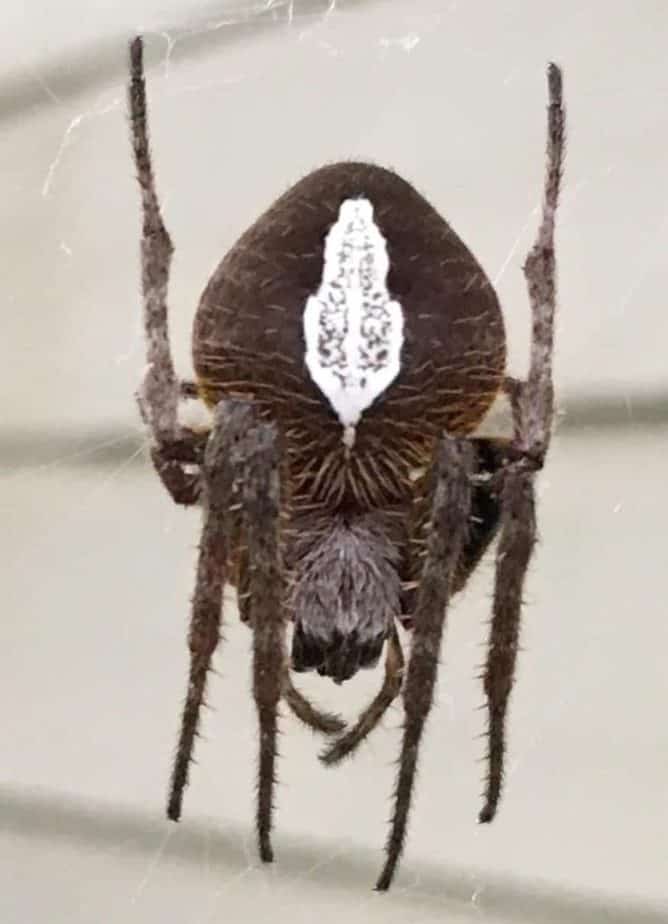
348, 345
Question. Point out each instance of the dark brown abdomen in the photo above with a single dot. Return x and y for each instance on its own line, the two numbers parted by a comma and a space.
248, 336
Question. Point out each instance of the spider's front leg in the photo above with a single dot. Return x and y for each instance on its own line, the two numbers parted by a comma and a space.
533, 407
176, 451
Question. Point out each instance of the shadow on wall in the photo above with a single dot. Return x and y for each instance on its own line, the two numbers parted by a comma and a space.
97, 64
54, 818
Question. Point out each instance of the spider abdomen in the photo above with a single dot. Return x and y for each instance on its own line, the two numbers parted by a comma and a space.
434, 352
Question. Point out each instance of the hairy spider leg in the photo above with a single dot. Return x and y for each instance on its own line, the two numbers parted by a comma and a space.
159, 393
451, 507
261, 500
240, 485
533, 408
316, 719
223, 459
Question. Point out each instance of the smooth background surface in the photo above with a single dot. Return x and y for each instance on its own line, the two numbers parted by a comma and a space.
98, 566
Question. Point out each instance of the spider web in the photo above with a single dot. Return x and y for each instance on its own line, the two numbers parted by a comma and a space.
245, 98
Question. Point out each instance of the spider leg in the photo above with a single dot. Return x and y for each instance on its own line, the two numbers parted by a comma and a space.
533, 404
374, 712
451, 507
240, 472
159, 393
316, 719
261, 504
220, 501
518, 536
540, 272
325, 722
178, 465
173, 447
491, 454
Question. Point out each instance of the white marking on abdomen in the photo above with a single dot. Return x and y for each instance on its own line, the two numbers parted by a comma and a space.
353, 330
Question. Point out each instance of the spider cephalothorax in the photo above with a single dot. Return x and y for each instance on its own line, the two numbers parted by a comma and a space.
348, 346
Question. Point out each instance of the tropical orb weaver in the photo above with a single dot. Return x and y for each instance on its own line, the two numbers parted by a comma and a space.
348, 345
